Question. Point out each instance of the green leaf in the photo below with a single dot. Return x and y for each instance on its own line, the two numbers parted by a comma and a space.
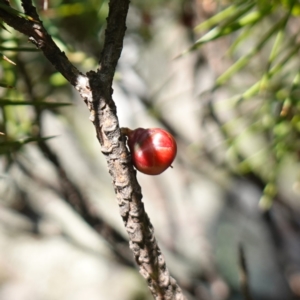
2, 84
5, 102
244, 60
15, 12
12, 146
17, 49
7, 59
231, 12
3, 27
232, 24
258, 86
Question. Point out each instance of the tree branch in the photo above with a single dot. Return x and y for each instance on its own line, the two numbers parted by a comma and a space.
96, 90
30, 10
38, 35
243, 274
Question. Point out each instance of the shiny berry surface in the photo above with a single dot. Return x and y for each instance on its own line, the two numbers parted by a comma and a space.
152, 150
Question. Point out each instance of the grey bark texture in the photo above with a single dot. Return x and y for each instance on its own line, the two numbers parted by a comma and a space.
96, 90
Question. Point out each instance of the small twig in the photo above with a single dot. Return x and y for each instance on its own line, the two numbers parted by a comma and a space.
38, 35
30, 10
243, 274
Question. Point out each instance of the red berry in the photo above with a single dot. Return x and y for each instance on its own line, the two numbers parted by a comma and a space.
152, 150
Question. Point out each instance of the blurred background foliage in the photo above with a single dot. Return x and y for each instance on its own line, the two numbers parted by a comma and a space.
223, 77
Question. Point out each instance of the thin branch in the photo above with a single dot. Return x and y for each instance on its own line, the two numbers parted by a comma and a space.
244, 277
114, 35
103, 114
70, 192
96, 90
38, 35
30, 10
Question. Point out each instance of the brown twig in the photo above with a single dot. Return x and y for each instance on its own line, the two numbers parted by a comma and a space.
68, 189
96, 90
38, 35
244, 277
30, 10
103, 114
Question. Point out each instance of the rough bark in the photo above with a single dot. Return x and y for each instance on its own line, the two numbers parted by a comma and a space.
96, 90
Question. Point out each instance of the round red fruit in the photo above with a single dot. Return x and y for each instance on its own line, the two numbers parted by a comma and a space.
152, 150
